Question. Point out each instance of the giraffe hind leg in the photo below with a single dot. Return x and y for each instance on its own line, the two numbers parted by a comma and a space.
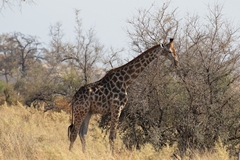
74, 129
83, 131
73, 135
70, 129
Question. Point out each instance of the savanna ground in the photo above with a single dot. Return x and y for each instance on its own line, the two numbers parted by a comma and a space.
29, 133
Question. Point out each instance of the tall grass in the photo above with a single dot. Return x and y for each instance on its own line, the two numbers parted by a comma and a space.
28, 133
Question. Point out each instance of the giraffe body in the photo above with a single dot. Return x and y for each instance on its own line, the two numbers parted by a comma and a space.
109, 94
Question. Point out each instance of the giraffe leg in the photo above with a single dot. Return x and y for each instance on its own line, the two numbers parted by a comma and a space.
115, 114
78, 119
73, 133
83, 131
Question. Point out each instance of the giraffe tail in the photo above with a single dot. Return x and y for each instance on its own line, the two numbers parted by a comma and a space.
70, 128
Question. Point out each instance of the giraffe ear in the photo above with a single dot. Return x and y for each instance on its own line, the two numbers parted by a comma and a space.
162, 45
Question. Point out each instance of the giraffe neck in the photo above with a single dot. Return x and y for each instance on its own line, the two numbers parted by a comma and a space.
129, 72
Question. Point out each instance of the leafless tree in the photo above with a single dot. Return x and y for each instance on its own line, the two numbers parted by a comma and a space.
13, 3
210, 62
64, 75
19, 52
27, 50
7, 61
86, 51
149, 27
19, 56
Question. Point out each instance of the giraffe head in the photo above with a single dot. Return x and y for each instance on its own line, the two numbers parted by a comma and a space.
169, 52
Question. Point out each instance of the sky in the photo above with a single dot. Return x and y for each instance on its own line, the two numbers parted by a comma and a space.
107, 17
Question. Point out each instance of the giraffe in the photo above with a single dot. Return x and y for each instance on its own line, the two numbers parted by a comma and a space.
109, 94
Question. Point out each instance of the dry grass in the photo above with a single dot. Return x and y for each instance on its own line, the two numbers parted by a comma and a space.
28, 133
